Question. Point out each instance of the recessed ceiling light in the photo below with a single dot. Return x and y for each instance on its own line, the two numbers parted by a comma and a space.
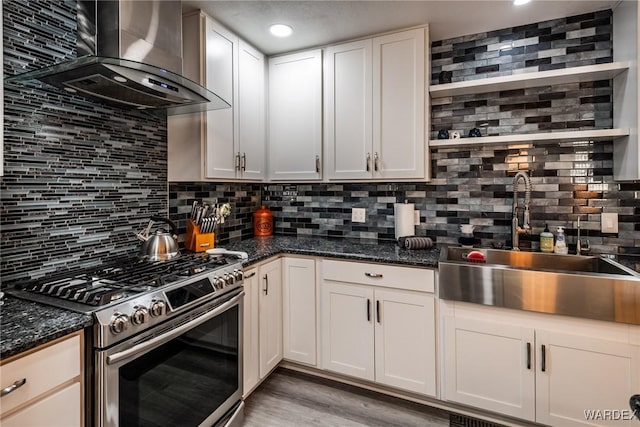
119, 79
70, 89
520, 2
281, 30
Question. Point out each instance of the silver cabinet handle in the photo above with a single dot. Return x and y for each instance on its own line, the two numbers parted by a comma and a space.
244, 162
374, 275
249, 276
317, 164
266, 284
375, 161
13, 387
368, 162
238, 161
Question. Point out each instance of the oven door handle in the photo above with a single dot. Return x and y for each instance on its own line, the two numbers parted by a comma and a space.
154, 342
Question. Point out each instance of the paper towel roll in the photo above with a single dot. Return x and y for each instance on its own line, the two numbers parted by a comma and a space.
403, 213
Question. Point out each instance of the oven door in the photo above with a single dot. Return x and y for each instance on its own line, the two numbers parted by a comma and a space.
184, 372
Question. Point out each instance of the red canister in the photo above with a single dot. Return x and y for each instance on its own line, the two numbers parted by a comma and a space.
263, 222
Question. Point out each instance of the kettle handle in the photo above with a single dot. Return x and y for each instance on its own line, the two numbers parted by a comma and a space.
174, 229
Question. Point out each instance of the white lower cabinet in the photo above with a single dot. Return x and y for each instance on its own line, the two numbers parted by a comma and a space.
44, 386
262, 323
559, 374
299, 310
378, 333
251, 331
270, 307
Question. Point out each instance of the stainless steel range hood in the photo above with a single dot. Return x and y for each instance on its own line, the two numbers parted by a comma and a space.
129, 56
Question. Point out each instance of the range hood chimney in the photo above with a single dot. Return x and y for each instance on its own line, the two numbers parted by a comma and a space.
129, 56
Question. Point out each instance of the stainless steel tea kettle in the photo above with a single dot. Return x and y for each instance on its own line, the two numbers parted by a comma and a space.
160, 245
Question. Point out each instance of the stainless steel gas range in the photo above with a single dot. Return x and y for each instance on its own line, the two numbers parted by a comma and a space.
166, 345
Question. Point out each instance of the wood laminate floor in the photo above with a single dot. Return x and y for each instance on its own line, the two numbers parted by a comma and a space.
292, 399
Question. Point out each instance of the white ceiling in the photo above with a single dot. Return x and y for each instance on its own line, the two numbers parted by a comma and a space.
321, 22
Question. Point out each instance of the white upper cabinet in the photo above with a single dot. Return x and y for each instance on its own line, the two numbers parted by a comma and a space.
226, 144
295, 116
251, 112
221, 126
375, 107
349, 110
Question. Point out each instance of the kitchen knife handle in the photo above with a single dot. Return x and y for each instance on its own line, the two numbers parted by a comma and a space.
317, 164
266, 284
368, 162
238, 161
543, 364
13, 387
244, 162
378, 311
529, 355
375, 161
368, 310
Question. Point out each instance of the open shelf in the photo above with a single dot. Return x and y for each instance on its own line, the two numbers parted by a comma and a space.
571, 136
585, 73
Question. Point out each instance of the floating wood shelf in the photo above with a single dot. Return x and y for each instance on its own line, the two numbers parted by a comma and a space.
572, 136
585, 73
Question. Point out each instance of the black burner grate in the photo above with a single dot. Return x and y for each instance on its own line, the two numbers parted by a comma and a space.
121, 277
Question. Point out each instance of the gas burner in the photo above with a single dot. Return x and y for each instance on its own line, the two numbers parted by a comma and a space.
122, 278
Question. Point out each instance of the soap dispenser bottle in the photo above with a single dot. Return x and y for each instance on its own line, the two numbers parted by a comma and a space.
546, 240
561, 244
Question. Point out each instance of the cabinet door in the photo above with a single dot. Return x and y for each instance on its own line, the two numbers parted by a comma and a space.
60, 409
399, 105
252, 133
299, 310
348, 110
577, 374
221, 53
405, 343
347, 329
270, 316
295, 116
490, 366
251, 331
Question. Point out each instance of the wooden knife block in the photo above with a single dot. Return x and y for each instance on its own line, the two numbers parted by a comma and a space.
196, 241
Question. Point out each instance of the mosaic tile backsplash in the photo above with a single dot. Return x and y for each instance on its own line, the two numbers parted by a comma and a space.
80, 178
244, 200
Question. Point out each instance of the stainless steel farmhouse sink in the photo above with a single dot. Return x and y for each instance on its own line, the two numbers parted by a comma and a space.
591, 287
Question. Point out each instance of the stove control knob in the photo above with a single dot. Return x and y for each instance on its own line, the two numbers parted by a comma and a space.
218, 282
119, 322
238, 274
229, 278
139, 315
157, 308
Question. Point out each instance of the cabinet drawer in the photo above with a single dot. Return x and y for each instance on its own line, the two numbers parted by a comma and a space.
43, 370
61, 409
391, 276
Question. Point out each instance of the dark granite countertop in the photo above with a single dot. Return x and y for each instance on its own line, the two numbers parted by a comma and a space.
260, 248
25, 324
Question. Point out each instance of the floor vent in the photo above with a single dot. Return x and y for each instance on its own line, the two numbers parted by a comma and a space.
456, 420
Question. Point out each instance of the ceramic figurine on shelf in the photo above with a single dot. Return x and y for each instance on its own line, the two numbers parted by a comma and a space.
474, 133
455, 135
443, 134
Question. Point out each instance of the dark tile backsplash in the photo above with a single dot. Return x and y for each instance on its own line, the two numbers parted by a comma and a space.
244, 200
80, 178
